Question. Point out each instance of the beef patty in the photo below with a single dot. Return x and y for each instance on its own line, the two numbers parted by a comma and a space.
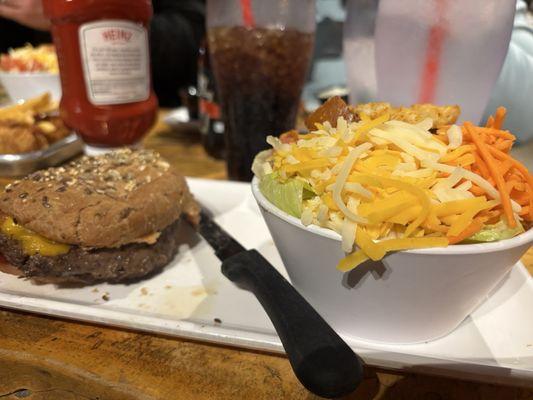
88, 266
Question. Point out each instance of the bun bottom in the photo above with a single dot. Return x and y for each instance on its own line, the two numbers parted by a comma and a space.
80, 266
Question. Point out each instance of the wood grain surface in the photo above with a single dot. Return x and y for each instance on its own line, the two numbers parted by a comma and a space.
45, 358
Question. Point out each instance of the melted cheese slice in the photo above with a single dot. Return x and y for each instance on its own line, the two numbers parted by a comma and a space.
31, 242
148, 239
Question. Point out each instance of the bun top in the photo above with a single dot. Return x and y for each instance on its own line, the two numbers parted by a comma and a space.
102, 201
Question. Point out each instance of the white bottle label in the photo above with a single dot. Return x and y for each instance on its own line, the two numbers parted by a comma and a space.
115, 61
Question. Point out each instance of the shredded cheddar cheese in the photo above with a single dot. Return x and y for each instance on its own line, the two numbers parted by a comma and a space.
386, 185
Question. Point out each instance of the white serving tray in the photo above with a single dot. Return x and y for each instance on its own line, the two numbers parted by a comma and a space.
192, 299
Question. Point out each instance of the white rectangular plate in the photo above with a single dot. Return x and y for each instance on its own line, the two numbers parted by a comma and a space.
192, 299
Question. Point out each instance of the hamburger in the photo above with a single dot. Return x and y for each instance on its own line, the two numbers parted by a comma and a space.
112, 218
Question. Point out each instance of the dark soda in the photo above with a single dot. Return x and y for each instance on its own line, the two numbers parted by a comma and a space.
259, 74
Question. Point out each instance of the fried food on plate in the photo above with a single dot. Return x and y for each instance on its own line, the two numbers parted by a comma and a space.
30, 126
335, 107
441, 115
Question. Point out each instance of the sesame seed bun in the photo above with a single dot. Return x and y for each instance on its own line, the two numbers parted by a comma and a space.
101, 202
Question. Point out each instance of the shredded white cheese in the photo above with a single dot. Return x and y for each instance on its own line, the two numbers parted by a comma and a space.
321, 175
348, 235
261, 166
352, 204
292, 160
341, 180
477, 179
357, 188
455, 137
405, 145
408, 158
426, 124
418, 137
278, 145
335, 222
333, 151
307, 216
466, 185
322, 214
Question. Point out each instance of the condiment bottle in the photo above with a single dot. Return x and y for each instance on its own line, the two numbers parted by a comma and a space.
103, 54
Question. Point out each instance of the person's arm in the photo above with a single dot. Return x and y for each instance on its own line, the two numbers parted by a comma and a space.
26, 12
514, 88
176, 32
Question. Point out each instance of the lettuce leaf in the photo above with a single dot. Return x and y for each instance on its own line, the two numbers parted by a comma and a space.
287, 196
493, 233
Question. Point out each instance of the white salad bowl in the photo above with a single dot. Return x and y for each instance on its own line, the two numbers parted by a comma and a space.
409, 297
26, 85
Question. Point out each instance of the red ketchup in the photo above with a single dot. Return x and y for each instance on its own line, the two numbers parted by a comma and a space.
104, 62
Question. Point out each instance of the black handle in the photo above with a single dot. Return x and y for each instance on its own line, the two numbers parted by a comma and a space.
321, 360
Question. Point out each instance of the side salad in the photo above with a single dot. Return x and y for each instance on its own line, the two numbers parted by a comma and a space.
30, 59
385, 184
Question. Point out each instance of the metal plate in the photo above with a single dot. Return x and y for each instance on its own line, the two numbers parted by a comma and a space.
13, 165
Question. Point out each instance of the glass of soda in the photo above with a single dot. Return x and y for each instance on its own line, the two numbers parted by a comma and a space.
260, 54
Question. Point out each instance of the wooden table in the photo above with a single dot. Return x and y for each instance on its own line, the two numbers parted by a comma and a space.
50, 358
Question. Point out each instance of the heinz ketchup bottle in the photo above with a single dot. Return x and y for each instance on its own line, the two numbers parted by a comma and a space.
104, 62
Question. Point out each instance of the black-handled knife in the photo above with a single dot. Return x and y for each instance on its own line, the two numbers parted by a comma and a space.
321, 360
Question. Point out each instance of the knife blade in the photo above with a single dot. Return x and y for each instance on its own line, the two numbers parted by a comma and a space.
319, 357
221, 241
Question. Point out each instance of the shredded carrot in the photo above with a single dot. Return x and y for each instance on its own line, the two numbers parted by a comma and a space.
476, 190
483, 169
519, 186
493, 169
523, 203
530, 193
504, 145
497, 133
458, 152
490, 122
499, 117
514, 175
490, 214
522, 198
517, 164
523, 171
475, 226
506, 166
512, 184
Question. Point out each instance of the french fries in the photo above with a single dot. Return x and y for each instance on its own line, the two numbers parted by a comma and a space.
30, 125
24, 113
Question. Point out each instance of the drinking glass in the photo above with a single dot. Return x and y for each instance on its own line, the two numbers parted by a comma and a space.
427, 51
260, 54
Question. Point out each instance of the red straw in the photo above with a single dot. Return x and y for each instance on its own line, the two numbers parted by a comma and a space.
436, 37
247, 13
